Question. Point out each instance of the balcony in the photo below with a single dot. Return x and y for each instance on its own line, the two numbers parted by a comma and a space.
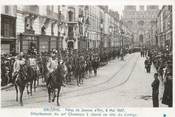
29, 31
71, 17
71, 34
31, 9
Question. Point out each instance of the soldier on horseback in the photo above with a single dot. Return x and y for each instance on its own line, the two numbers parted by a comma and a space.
19, 76
18, 62
55, 78
95, 64
32, 62
35, 69
52, 65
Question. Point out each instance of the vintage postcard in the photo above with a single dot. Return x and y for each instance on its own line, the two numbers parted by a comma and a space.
87, 58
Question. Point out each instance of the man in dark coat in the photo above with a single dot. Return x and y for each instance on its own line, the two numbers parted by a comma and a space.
168, 91
146, 64
149, 65
155, 91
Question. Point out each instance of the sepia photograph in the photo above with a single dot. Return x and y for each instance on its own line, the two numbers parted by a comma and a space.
86, 56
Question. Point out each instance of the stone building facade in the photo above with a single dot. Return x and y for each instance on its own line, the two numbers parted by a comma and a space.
43, 28
140, 22
164, 31
8, 29
37, 28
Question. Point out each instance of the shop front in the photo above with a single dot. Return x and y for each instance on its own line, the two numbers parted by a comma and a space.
8, 34
53, 43
42, 43
8, 46
48, 43
27, 42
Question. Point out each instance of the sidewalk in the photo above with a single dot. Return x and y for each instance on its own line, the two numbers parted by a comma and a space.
161, 86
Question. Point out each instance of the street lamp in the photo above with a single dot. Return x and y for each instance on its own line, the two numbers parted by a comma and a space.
101, 34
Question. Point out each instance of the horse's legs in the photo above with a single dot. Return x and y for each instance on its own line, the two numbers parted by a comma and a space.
35, 80
77, 80
58, 93
82, 77
70, 77
16, 87
31, 83
35, 85
90, 72
54, 95
38, 79
49, 92
8, 79
21, 94
42, 75
27, 89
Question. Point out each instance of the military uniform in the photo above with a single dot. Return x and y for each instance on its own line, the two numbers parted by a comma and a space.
95, 64
16, 66
51, 66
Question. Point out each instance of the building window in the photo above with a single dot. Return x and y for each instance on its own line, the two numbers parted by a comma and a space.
8, 26
52, 29
70, 13
7, 30
7, 9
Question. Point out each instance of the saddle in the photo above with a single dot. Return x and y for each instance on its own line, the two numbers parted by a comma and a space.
22, 73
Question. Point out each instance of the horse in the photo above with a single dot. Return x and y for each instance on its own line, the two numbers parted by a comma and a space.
89, 66
65, 71
55, 82
79, 71
44, 68
40, 69
20, 82
76, 71
83, 66
69, 71
32, 77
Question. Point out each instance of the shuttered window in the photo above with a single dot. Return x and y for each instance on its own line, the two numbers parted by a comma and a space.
8, 24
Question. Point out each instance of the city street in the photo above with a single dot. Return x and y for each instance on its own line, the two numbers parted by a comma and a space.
118, 84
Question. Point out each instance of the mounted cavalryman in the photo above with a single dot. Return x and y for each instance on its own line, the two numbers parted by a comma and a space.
16, 66
52, 65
